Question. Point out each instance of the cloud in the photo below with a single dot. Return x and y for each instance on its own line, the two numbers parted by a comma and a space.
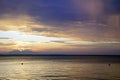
59, 11
73, 10
14, 22
105, 28
84, 22
81, 30
86, 46
6, 44
4, 38
59, 41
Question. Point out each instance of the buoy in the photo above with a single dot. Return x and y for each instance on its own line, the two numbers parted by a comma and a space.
109, 64
21, 63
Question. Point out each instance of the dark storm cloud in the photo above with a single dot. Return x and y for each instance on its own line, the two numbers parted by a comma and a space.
113, 6
57, 11
86, 22
61, 15
51, 10
12, 7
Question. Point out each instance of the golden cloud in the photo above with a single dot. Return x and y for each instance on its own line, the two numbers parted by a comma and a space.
83, 34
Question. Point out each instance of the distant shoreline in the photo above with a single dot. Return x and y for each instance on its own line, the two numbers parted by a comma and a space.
54, 55
107, 59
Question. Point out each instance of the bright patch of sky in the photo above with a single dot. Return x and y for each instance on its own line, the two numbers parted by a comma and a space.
20, 36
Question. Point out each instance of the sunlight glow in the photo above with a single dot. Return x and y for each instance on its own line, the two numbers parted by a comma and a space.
16, 35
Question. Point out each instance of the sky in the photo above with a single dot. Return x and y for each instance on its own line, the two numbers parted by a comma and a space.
60, 26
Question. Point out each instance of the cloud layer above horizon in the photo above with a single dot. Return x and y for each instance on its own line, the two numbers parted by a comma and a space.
60, 25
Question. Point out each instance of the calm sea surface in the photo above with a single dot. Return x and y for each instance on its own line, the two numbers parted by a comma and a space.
59, 68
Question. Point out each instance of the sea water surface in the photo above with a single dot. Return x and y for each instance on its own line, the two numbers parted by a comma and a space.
59, 68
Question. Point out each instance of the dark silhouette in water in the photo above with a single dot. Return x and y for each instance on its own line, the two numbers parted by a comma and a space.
109, 65
21, 63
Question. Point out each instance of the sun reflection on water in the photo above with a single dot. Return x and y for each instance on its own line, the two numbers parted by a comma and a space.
39, 68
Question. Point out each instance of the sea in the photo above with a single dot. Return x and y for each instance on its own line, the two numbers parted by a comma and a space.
59, 67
